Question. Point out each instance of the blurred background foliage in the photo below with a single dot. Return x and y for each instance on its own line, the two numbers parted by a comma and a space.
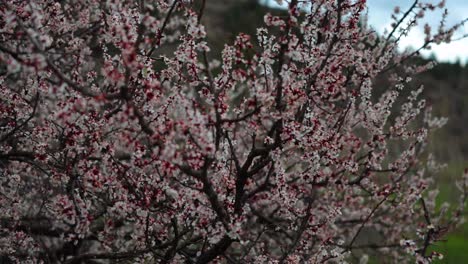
445, 90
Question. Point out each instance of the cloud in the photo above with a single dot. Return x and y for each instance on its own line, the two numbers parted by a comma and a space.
380, 18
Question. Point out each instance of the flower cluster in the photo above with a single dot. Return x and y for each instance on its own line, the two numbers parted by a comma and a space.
122, 139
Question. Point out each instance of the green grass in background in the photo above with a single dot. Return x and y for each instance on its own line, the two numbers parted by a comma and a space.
455, 246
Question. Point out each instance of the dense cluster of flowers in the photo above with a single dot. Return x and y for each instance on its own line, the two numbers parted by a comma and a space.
122, 138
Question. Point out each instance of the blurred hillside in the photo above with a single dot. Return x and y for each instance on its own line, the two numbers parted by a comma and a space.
446, 90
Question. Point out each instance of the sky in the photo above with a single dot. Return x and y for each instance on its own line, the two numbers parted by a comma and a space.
379, 18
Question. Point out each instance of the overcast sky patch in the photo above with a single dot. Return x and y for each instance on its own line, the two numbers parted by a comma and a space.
379, 18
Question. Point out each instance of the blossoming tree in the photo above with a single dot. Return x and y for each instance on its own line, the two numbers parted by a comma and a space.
122, 139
